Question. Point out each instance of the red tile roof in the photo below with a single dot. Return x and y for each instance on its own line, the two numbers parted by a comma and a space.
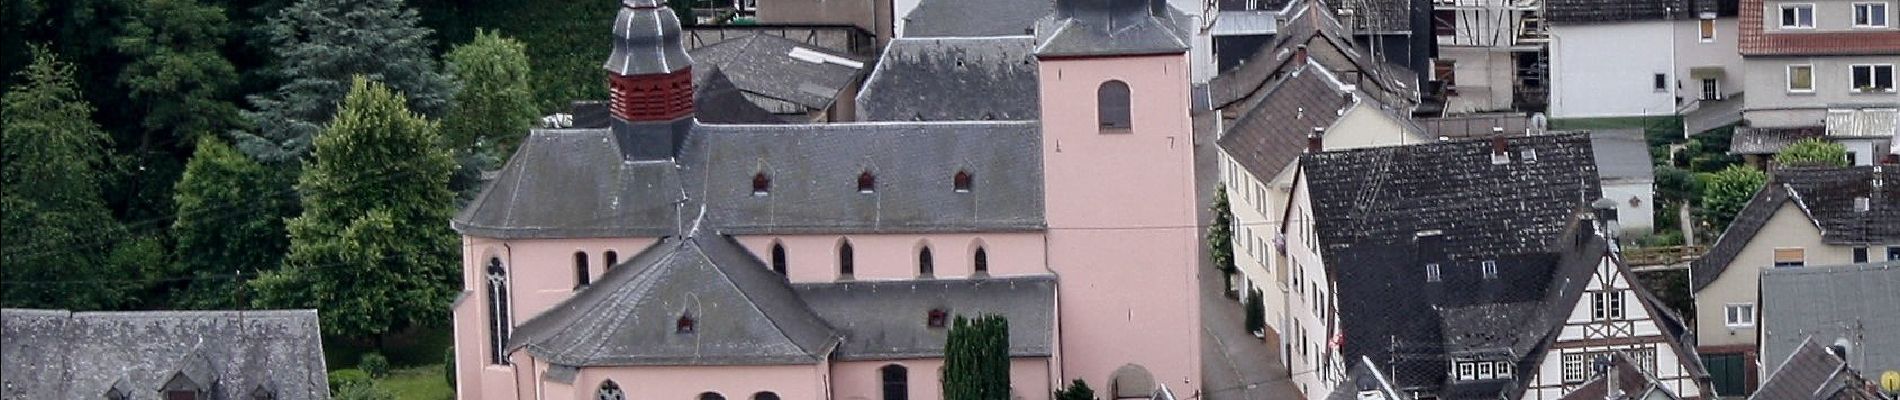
1755, 42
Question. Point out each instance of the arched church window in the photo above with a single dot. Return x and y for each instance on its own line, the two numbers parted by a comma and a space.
778, 259
711, 396
896, 380
610, 391
961, 182
1111, 106
765, 396
761, 184
499, 322
582, 277
925, 265
867, 182
845, 259
612, 257
982, 261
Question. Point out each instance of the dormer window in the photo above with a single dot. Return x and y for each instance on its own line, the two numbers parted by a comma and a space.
867, 183
961, 182
937, 318
1431, 273
685, 324
761, 184
1490, 268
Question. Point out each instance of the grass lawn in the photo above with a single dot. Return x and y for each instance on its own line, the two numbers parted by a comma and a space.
418, 383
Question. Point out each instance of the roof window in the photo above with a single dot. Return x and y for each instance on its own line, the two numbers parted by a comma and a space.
761, 184
961, 182
867, 183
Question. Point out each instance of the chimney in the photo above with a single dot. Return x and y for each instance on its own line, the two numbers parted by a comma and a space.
1313, 140
1500, 149
1299, 55
650, 81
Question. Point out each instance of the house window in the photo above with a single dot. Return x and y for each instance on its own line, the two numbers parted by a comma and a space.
761, 184
1466, 371
612, 258
581, 275
1660, 81
845, 259
1797, 16
1872, 78
1616, 304
896, 381
1790, 257
1576, 367
982, 261
1711, 89
867, 182
610, 391
1529, 155
1490, 269
1860, 254
1111, 106
498, 321
1740, 315
1870, 15
1707, 27
1484, 371
1606, 305
1801, 78
925, 266
1444, 22
937, 318
778, 259
961, 182
1431, 273
1503, 368
1893, 253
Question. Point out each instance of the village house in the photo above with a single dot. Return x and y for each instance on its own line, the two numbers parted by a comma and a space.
1804, 216
1805, 59
1492, 55
663, 257
1848, 307
172, 355
1468, 269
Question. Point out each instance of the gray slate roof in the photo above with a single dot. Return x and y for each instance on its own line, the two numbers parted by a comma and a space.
744, 313
1622, 155
1273, 133
646, 40
1329, 44
1388, 194
1855, 304
573, 182
1631, 381
1081, 28
953, 79
1826, 195
1811, 373
1752, 140
716, 100
57, 354
763, 65
974, 18
884, 320
1578, 12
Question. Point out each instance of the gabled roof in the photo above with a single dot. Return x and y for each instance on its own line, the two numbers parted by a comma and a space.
743, 313
1622, 155
1364, 377
716, 100
974, 18
1753, 140
885, 320
1834, 304
1810, 372
1271, 135
58, 354
1755, 42
1085, 28
1582, 12
1826, 195
1482, 209
1328, 43
781, 69
953, 79
574, 182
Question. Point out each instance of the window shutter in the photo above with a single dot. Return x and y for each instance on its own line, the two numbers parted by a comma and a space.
1795, 255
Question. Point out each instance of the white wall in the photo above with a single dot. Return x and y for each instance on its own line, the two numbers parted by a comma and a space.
1692, 52
1866, 151
1638, 218
1607, 70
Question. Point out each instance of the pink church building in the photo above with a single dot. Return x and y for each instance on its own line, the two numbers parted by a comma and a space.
662, 258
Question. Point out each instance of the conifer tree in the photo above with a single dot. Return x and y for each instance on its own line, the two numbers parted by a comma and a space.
976, 359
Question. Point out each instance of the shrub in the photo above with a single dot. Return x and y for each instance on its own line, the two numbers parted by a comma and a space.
365, 390
1077, 390
342, 378
448, 365
374, 364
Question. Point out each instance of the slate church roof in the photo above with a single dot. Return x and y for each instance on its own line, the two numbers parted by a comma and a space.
974, 18
779, 69
1827, 197
1081, 28
742, 313
58, 354
953, 79
1850, 304
889, 319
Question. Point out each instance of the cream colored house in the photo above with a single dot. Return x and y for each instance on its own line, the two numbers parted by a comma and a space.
1805, 216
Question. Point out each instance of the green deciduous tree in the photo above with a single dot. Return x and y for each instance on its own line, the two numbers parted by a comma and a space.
320, 45
57, 229
1813, 152
371, 249
976, 359
1724, 193
177, 74
1077, 390
227, 222
495, 107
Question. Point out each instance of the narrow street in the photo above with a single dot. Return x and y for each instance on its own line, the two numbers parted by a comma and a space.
1234, 364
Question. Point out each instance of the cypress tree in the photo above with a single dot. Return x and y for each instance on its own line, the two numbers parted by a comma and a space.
976, 359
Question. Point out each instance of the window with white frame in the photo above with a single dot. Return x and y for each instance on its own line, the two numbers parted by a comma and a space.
1797, 16
1431, 273
1740, 315
1467, 371
1801, 78
1606, 305
1484, 371
1504, 369
1490, 269
1871, 78
1870, 15
1576, 367
1706, 26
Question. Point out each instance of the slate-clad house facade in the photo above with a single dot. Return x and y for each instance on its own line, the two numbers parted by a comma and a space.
663, 257
1469, 269
173, 355
1804, 216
